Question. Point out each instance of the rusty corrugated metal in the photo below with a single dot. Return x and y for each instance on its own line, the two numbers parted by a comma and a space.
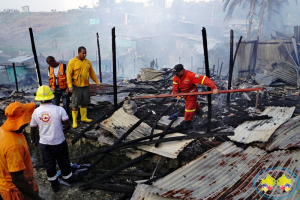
120, 122
245, 188
210, 175
286, 136
261, 130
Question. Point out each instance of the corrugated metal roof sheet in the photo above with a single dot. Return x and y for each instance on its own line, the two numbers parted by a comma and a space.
245, 188
148, 74
120, 122
286, 136
20, 59
261, 130
142, 193
290, 75
210, 175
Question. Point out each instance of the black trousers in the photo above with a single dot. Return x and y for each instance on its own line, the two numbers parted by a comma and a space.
56, 153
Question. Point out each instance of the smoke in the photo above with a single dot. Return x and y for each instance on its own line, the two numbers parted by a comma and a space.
146, 31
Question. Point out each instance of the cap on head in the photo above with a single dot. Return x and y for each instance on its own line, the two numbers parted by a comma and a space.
177, 69
44, 93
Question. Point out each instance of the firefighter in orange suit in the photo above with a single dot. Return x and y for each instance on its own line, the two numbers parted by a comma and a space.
187, 82
58, 82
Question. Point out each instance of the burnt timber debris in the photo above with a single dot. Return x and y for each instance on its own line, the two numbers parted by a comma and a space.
273, 106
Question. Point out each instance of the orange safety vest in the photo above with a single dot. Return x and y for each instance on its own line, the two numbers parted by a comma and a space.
61, 77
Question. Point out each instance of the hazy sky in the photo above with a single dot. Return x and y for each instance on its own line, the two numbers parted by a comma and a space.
59, 5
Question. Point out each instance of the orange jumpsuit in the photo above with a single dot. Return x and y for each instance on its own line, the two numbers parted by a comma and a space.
188, 83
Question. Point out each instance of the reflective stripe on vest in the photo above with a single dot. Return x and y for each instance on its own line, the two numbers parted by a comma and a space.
203, 80
175, 83
190, 110
61, 78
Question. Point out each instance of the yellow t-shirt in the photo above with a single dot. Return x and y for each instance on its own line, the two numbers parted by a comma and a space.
79, 72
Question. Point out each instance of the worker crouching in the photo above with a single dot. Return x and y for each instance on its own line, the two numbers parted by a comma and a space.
187, 81
52, 122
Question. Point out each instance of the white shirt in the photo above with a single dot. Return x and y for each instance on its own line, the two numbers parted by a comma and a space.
48, 118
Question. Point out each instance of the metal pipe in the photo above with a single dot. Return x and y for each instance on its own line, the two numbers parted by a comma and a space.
204, 37
114, 58
37, 67
15, 74
99, 57
197, 93
230, 66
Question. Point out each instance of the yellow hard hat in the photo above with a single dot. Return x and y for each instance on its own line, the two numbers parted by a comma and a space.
44, 93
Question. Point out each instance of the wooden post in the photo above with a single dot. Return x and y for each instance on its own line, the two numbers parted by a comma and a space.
114, 58
37, 67
204, 37
256, 102
16, 80
99, 57
230, 66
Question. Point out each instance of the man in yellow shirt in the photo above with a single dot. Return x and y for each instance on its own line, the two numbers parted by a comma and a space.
78, 73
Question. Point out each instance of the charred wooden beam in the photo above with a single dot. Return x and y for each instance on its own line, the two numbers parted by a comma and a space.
116, 170
99, 56
130, 173
15, 74
118, 141
221, 69
230, 66
114, 58
190, 136
204, 37
169, 126
37, 67
84, 135
160, 116
109, 149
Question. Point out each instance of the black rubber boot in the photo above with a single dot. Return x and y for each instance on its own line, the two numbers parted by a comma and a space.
55, 185
188, 124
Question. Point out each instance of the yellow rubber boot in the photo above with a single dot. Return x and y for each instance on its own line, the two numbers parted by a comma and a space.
74, 116
83, 113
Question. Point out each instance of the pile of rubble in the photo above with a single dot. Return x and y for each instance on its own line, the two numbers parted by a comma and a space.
169, 162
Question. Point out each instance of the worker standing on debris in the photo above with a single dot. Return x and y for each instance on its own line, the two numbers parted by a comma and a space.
58, 82
78, 73
16, 172
50, 119
187, 82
